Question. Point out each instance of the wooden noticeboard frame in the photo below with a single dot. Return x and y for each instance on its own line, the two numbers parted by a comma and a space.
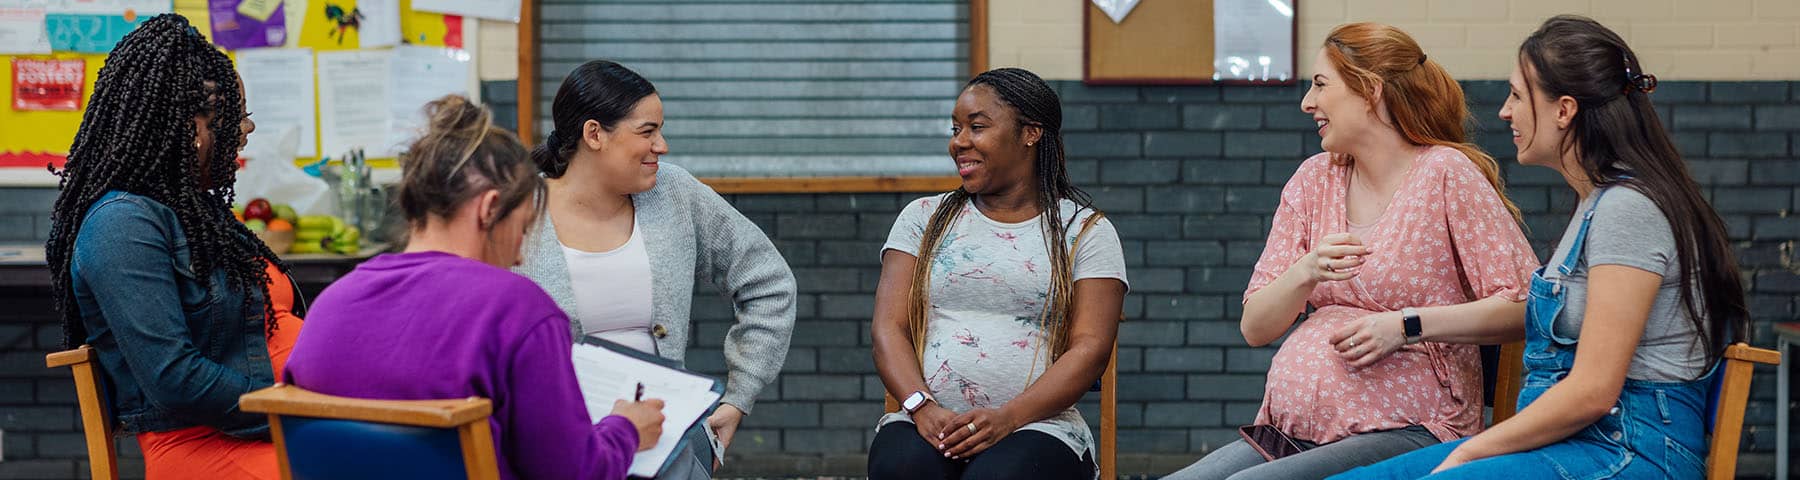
1158, 43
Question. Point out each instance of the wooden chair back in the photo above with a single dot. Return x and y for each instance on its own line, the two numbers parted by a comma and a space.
96, 425
324, 436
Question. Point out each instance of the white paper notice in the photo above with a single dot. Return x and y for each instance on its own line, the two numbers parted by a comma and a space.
1116, 9
606, 376
420, 75
278, 85
142, 8
380, 26
353, 100
505, 10
1253, 40
22, 30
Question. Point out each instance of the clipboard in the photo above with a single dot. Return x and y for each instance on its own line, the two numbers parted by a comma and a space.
669, 369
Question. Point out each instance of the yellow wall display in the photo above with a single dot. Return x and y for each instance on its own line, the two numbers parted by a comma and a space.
30, 134
28, 138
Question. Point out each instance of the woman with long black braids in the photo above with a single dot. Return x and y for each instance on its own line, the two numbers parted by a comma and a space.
998, 302
186, 309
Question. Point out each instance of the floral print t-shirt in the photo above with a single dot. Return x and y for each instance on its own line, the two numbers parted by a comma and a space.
1444, 226
989, 281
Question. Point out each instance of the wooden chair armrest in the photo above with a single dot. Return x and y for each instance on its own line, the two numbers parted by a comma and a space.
1739, 351
289, 400
81, 354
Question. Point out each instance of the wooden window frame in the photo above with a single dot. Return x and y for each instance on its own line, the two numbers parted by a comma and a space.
978, 62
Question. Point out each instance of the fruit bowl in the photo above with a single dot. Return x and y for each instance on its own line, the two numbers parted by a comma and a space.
278, 241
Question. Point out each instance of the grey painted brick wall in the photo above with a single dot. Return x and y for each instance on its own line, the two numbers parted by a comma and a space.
1191, 193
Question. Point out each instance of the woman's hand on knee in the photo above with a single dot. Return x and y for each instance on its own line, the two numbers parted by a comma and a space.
1369, 339
931, 421
973, 432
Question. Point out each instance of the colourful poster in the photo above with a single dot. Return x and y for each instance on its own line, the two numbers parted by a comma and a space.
429, 29
331, 25
47, 85
232, 29
94, 26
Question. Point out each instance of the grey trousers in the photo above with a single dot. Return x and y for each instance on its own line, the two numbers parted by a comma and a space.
1237, 461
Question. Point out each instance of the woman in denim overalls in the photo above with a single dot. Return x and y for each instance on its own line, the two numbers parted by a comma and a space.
1579, 104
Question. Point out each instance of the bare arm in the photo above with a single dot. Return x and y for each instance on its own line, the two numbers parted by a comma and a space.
1269, 312
895, 358
1492, 320
1619, 301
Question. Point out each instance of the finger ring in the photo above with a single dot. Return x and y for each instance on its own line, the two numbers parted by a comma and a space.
1352, 344
972, 427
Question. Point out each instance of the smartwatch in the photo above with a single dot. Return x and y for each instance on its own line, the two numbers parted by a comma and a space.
1409, 323
915, 401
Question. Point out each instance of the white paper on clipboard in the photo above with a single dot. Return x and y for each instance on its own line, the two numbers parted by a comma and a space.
608, 374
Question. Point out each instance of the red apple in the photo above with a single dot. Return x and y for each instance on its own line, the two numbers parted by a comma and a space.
259, 209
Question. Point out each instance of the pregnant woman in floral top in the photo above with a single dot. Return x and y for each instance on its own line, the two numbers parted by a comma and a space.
998, 302
1400, 218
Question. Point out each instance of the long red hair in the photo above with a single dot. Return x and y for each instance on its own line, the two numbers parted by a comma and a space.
1427, 105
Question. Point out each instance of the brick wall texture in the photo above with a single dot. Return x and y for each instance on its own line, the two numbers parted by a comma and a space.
1190, 175
1474, 39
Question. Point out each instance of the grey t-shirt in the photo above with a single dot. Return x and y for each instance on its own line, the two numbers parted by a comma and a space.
1629, 230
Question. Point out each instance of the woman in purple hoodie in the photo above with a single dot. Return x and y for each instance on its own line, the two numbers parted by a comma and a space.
445, 319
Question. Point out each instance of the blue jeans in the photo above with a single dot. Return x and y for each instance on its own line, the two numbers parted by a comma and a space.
1655, 430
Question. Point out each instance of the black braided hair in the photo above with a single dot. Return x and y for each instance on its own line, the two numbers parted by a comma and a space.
138, 136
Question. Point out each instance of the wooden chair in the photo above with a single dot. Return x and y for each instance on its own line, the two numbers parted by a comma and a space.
320, 436
1108, 386
1730, 397
1733, 392
103, 460
1510, 375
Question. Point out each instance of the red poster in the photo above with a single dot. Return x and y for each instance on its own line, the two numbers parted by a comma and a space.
47, 84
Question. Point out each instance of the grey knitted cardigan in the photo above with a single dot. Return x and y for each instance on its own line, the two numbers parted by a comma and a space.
691, 233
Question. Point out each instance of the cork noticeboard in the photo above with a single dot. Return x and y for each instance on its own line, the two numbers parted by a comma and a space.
1176, 42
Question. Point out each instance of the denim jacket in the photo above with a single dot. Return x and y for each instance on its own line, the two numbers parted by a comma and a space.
175, 354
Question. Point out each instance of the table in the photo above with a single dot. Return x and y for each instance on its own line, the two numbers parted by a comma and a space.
1786, 334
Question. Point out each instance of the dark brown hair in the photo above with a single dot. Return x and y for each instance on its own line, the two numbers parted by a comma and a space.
1619, 140
599, 90
461, 155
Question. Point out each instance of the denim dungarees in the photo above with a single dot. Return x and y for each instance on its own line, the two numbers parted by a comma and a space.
1656, 430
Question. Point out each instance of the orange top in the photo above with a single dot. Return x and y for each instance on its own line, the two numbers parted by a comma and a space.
204, 452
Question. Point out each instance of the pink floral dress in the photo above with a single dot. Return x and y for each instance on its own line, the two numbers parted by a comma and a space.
1443, 220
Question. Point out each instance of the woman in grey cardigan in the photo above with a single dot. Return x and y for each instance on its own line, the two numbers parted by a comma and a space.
617, 216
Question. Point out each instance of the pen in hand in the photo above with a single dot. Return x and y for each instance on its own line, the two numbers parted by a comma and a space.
640, 393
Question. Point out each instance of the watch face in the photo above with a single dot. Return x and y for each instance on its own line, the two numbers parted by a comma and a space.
913, 401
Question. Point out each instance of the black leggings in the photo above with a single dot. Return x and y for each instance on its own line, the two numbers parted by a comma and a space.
900, 453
